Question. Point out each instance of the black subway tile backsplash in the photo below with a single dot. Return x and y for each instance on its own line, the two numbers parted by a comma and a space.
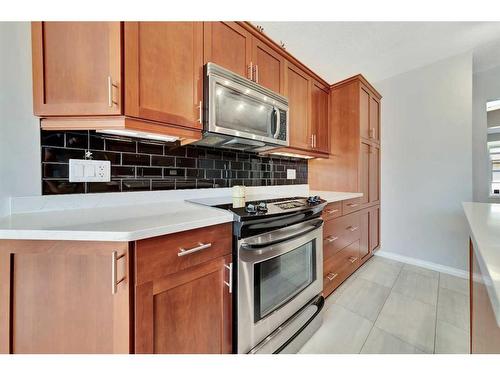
140, 165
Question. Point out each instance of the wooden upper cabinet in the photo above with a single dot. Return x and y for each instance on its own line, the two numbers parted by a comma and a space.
76, 68
269, 66
229, 45
374, 132
164, 71
297, 89
319, 118
374, 228
364, 113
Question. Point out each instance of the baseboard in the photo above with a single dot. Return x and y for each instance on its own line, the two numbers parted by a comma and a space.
423, 263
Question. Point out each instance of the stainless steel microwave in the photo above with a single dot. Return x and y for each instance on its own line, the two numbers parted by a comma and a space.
241, 114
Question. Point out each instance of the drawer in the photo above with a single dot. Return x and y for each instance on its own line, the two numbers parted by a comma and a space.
340, 266
159, 256
339, 233
332, 210
351, 205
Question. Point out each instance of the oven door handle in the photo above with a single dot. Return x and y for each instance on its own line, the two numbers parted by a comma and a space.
259, 245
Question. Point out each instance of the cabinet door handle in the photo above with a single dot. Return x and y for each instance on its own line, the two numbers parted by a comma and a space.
352, 229
111, 102
114, 272
250, 71
331, 276
353, 259
201, 246
372, 132
230, 282
331, 238
312, 140
200, 112
352, 204
332, 211
256, 73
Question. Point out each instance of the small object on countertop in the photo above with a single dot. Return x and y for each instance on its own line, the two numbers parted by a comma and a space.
314, 200
238, 202
238, 191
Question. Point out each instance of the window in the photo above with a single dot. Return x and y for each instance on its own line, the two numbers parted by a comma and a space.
494, 156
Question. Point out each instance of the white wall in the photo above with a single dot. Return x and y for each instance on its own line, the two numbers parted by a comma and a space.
486, 86
427, 162
19, 129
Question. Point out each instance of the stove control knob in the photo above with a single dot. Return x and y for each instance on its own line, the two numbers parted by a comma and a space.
262, 207
251, 208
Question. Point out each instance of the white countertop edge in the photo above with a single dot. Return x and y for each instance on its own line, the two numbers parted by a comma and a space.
110, 236
492, 286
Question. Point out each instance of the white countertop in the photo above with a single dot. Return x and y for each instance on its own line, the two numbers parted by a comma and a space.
111, 216
484, 223
121, 223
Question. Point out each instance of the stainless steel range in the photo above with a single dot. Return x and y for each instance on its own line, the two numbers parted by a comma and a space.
278, 256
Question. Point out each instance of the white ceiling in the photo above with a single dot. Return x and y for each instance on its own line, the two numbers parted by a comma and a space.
379, 50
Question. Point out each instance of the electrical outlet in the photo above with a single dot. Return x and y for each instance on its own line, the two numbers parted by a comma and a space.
89, 170
291, 174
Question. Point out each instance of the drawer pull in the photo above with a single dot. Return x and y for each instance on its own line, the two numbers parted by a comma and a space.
329, 212
352, 229
331, 238
331, 276
352, 204
353, 259
202, 246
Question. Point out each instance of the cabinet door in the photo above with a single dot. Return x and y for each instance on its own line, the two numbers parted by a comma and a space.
229, 45
374, 222
364, 243
364, 173
60, 297
76, 68
319, 118
269, 68
164, 71
374, 119
364, 112
186, 312
298, 92
374, 175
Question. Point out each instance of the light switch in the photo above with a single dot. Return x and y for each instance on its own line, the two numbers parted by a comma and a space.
89, 170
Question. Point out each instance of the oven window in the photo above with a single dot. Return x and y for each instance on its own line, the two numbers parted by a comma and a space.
279, 279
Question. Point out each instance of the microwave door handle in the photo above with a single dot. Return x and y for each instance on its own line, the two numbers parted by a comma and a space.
278, 124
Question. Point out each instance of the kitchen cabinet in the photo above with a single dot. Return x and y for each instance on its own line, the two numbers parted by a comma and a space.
268, 66
76, 68
374, 228
298, 92
484, 330
49, 291
374, 175
166, 294
164, 72
319, 117
364, 243
229, 45
182, 302
374, 131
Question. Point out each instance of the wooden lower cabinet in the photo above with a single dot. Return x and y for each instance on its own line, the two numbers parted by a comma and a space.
118, 297
484, 330
349, 240
59, 297
186, 312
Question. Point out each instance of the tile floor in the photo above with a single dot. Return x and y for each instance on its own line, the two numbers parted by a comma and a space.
390, 307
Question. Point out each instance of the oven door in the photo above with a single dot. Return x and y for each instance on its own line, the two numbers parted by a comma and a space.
279, 272
238, 107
